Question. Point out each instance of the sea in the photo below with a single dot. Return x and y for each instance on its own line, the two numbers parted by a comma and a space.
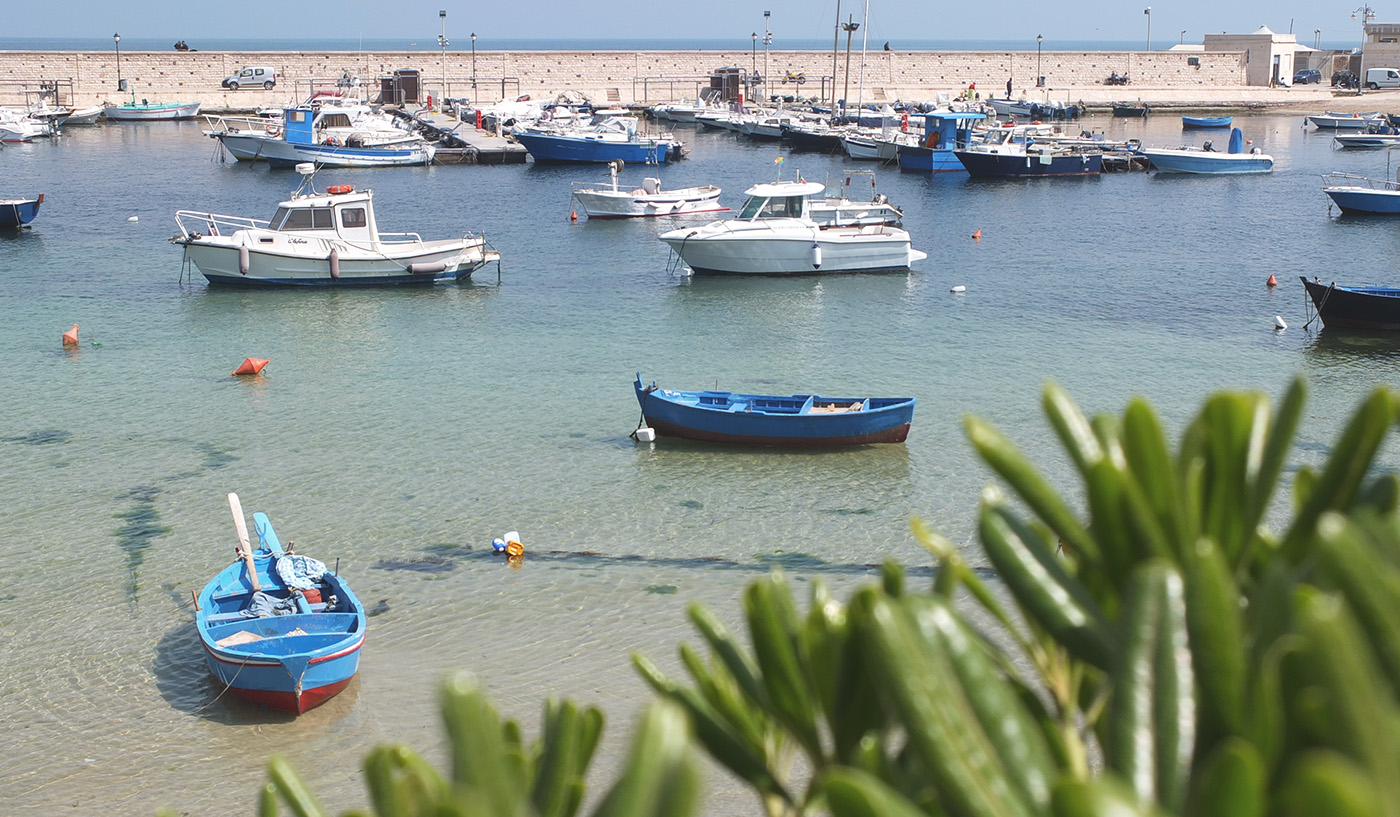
395, 433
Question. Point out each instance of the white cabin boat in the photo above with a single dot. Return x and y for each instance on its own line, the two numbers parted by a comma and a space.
1331, 120
322, 239
775, 234
645, 201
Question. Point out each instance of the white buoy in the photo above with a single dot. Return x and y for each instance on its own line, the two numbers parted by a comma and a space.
958, 288
1279, 323
133, 218
646, 434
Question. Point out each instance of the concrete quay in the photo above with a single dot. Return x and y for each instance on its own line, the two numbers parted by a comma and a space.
1166, 79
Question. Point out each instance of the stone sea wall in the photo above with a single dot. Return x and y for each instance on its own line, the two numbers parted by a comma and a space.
621, 77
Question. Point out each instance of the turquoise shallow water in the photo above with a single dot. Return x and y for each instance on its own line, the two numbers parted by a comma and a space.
399, 431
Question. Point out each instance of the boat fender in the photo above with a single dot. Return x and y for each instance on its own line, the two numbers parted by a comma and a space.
816, 255
646, 434
427, 267
243, 259
1279, 323
335, 264
959, 288
340, 189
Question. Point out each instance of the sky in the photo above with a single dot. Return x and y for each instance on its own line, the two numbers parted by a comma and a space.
1008, 20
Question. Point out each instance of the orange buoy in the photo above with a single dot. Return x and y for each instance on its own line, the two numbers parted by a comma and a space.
977, 235
250, 365
70, 338
573, 215
1273, 282
515, 550
340, 189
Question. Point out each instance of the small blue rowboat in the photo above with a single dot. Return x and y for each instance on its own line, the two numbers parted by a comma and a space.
1363, 307
19, 212
292, 662
1206, 121
799, 420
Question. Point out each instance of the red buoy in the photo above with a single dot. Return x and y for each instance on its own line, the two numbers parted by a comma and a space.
977, 235
250, 365
573, 215
70, 338
1273, 282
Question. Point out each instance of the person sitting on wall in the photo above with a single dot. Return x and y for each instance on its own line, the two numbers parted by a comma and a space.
181, 46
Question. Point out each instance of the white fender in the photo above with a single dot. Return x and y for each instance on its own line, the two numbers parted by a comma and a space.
243, 259
816, 255
335, 264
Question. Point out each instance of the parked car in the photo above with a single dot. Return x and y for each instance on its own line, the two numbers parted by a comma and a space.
1344, 79
250, 77
1304, 76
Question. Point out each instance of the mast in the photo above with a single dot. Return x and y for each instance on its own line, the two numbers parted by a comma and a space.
835, 45
864, 38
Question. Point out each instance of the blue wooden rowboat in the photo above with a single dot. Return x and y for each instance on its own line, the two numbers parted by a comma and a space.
293, 662
19, 212
799, 420
1355, 307
1206, 121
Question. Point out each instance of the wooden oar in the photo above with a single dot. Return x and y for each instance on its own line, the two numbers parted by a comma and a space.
243, 546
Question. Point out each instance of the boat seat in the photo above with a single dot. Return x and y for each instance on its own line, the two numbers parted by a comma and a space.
738, 406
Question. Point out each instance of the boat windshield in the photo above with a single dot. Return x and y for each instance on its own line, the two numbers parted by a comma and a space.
303, 218
778, 207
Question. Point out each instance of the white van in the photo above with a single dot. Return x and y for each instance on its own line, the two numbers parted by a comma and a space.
1382, 78
251, 78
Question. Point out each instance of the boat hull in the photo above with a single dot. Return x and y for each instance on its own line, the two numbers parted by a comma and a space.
281, 153
759, 252
1018, 165
1355, 307
772, 420
1208, 163
623, 204
1361, 200
928, 160
152, 113
551, 148
1342, 122
219, 263
1206, 121
18, 212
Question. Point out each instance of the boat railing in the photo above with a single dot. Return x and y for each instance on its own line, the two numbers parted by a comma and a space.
218, 123
214, 224
1357, 180
401, 238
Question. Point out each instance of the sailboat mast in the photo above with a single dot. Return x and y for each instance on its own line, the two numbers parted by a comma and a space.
835, 45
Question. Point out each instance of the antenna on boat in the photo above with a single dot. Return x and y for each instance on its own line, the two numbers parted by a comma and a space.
308, 172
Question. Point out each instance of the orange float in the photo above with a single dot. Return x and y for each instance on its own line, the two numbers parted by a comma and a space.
70, 338
340, 189
1272, 282
250, 365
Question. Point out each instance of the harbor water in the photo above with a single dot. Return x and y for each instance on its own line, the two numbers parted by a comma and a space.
396, 432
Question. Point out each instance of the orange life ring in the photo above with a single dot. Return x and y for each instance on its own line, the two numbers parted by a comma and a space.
274, 130
332, 141
340, 189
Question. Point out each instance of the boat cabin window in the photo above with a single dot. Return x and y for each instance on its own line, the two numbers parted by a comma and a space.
296, 116
333, 120
352, 217
304, 218
779, 207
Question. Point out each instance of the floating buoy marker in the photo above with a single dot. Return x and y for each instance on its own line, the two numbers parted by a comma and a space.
133, 218
70, 338
958, 288
1279, 322
573, 215
250, 365
1273, 281
977, 234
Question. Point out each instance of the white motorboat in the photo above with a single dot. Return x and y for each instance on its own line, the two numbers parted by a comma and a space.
330, 135
647, 200
20, 127
1206, 160
837, 208
775, 234
684, 111
322, 239
1330, 120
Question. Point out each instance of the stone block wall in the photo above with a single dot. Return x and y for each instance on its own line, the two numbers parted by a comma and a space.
622, 77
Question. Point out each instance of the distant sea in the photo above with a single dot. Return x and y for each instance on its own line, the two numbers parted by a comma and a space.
462, 42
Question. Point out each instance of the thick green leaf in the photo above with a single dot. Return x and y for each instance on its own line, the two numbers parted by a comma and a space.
1370, 585
855, 793
1325, 783
1264, 471
1152, 467
1105, 797
775, 631
1214, 618
728, 651
1051, 598
1230, 782
481, 754
293, 789
660, 777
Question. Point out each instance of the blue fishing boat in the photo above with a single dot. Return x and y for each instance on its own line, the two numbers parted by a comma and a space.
612, 138
19, 212
1354, 193
307, 135
1206, 121
1206, 160
1026, 151
944, 131
799, 420
279, 629
1347, 307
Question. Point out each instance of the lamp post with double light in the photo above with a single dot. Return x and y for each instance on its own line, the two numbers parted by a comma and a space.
1366, 13
849, 27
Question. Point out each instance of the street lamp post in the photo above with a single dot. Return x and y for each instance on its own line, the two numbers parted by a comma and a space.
767, 40
473, 67
1366, 13
1182, 41
117, 41
753, 61
1148, 12
442, 47
1039, 77
849, 27
1317, 38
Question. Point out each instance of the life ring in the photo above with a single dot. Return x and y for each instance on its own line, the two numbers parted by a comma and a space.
274, 130
523, 98
340, 189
